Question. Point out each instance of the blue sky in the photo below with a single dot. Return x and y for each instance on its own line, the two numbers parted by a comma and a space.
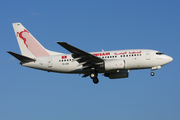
27, 94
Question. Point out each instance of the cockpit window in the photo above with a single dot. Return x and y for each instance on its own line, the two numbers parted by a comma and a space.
159, 53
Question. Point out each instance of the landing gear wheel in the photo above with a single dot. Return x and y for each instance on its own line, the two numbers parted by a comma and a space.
93, 76
152, 73
95, 80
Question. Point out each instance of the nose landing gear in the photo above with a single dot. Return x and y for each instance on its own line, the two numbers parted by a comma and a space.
154, 68
152, 73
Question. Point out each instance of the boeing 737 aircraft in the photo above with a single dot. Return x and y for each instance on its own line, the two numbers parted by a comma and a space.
112, 64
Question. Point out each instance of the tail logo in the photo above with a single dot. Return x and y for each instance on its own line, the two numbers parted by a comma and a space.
23, 38
32, 44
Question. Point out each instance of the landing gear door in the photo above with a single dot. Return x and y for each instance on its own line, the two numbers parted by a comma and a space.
148, 55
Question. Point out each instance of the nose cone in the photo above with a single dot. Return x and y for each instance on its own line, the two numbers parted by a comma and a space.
169, 59
164, 59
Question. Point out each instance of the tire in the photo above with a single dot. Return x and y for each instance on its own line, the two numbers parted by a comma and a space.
152, 73
95, 80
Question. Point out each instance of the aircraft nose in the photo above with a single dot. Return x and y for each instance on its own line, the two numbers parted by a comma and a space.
170, 59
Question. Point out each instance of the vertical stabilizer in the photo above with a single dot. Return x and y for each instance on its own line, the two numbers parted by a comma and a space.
29, 46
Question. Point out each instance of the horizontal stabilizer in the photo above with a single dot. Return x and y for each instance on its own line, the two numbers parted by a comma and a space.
21, 57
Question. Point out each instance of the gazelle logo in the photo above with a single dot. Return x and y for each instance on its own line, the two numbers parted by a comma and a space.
23, 38
32, 44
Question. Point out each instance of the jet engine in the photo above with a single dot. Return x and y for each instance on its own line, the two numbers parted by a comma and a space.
114, 64
115, 75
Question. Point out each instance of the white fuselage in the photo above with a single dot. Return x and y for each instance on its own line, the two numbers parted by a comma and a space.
133, 59
113, 64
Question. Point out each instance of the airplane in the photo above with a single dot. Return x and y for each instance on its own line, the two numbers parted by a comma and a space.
113, 64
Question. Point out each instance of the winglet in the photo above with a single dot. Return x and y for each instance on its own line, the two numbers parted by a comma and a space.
21, 57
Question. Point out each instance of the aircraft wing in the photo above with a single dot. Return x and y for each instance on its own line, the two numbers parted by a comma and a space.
84, 58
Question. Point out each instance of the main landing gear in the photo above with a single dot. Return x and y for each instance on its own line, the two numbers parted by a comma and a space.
94, 75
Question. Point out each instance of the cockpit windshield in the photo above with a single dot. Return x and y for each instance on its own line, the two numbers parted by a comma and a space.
159, 53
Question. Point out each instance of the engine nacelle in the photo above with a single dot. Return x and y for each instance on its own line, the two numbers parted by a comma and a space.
115, 75
114, 65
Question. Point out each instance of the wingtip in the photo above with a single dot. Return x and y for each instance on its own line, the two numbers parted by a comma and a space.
60, 42
8, 51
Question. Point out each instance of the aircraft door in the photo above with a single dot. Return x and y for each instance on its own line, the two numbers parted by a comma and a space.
148, 55
49, 62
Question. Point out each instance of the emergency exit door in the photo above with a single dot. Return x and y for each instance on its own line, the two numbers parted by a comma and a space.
148, 55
